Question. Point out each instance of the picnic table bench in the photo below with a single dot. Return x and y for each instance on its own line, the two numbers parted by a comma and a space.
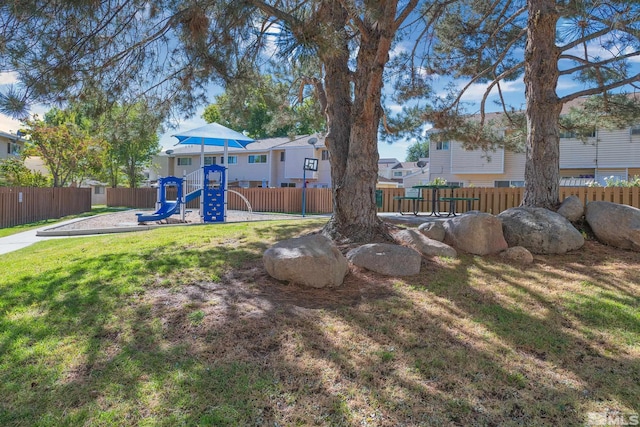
415, 201
414, 195
452, 203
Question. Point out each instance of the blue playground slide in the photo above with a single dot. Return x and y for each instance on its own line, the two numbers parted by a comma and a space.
168, 208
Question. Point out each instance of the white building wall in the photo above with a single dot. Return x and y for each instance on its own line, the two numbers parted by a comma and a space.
293, 169
245, 171
476, 161
439, 163
611, 152
420, 178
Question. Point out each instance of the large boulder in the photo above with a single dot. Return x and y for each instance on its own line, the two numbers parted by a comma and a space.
387, 259
540, 230
425, 245
572, 208
433, 230
310, 261
475, 232
517, 254
614, 224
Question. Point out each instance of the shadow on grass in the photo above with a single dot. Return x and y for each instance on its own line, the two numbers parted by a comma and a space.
113, 340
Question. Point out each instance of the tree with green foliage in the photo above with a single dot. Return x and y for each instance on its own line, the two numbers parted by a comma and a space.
129, 135
63, 142
14, 173
588, 42
263, 108
417, 151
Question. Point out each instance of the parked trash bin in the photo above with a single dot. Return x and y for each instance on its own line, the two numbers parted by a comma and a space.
378, 199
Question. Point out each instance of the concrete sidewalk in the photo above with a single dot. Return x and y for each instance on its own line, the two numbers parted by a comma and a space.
22, 240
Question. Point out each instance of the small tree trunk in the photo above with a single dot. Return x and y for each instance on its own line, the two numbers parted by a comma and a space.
542, 168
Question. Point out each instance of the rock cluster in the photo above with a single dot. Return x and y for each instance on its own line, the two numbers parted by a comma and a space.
513, 234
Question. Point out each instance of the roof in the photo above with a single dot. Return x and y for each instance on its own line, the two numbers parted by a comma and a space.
382, 179
12, 136
388, 161
409, 165
259, 145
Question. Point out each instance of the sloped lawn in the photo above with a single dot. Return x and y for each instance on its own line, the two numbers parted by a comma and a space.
182, 326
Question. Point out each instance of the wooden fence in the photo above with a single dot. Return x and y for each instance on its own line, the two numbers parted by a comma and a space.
23, 205
319, 200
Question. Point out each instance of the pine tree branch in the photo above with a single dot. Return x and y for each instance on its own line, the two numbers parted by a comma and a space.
599, 89
404, 14
589, 64
585, 39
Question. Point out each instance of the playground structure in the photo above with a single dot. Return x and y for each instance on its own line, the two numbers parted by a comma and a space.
208, 183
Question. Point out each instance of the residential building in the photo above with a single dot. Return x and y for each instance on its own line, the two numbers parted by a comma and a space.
403, 174
608, 153
278, 162
10, 145
272, 162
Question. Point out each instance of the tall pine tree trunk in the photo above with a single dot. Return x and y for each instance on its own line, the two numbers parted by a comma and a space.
542, 168
353, 116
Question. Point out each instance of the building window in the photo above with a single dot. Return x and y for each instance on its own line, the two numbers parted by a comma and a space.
442, 145
233, 160
98, 189
455, 184
325, 155
282, 156
397, 173
508, 184
635, 130
288, 184
13, 148
258, 158
184, 161
566, 134
209, 160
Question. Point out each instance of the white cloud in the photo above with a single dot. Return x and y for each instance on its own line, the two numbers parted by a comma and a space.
395, 108
397, 50
8, 78
476, 91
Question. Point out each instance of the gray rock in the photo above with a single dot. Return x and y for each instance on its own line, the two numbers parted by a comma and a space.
387, 259
425, 245
518, 254
614, 224
475, 232
572, 208
310, 261
433, 230
540, 230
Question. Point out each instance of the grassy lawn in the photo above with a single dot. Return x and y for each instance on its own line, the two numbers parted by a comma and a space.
182, 326
95, 210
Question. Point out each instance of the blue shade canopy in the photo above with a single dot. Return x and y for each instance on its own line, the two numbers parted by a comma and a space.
214, 134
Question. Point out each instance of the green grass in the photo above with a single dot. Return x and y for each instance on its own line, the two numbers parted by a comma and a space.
182, 326
95, 210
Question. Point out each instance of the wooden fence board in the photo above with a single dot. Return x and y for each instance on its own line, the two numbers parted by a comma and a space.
320, 200
23, 205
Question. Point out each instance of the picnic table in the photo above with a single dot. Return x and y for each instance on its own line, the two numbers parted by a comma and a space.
435, 195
